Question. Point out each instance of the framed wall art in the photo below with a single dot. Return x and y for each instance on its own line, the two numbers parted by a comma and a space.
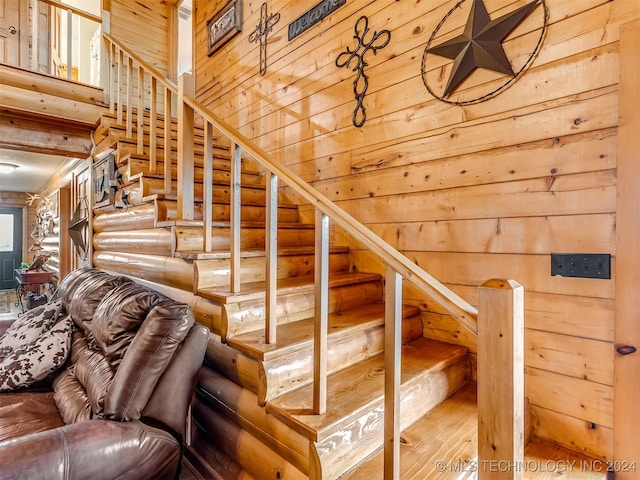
224, 25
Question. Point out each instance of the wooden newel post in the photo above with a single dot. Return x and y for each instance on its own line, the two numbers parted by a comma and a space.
501, 380
186, 87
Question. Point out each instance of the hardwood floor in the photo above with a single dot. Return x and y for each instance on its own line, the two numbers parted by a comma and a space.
443, 446
8, 300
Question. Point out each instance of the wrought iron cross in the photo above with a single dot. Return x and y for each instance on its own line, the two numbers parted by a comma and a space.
267, 22
361, 83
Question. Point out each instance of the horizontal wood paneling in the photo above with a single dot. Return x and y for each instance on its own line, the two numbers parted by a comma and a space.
574, 433
143, 26
581, 358
467, 192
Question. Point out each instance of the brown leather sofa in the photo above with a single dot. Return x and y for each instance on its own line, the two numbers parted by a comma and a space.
118, 407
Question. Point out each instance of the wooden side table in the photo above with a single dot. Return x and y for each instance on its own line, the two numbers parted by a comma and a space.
34, 280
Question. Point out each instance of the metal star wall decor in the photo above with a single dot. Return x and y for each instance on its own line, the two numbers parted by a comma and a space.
267, 22
78, 230
480, 46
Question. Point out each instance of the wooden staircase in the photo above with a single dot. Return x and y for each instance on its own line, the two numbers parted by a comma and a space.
252, 417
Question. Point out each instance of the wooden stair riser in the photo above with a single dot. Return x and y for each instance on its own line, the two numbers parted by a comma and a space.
133, 167
141, 161
143, 190
215, 273
127, 147
338, 453
121, 129
289, 372
109, 120
190, 238
247, 451
250, 194
240, 405
249, 316
167, 211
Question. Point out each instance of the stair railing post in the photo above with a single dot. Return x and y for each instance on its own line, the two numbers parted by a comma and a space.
113, 84
185, 180
106, 61
321, 326
153, 124
70, 44
271, 251
207, 181
235, 205
392, 372
140, 107
119, 86
129, 113
501, 380
168, 118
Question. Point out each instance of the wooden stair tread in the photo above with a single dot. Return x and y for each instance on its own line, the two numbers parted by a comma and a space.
256, 290
296, 336
282, 252
360, 388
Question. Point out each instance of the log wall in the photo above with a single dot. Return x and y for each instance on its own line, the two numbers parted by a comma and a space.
468, 192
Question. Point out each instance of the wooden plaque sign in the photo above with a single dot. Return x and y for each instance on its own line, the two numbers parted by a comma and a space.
313, 16
224, 25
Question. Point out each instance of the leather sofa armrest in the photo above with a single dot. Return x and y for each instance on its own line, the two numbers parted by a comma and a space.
94, 449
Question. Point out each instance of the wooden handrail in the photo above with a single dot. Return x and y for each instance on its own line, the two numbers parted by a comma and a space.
464, 312
74, 10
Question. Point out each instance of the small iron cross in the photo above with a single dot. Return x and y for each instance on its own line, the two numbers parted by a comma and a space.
267, 22
361, 83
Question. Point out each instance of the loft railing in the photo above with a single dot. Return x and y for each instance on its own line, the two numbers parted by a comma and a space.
66, 42
498, 322
134, 86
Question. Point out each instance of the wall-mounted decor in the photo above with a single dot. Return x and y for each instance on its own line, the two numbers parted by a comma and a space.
43, 226
224, 25
267, 22
79, 228
104, 182
356, 56
480, 45
313, 16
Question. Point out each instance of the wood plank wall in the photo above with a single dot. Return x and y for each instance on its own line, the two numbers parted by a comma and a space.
142, 26
468, 192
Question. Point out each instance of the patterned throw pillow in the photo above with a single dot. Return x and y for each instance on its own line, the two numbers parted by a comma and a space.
29, 326
33, 362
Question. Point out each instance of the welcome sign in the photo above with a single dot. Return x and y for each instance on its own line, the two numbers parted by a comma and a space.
313, 16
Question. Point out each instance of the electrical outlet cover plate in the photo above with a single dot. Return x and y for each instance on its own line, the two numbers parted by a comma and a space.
582, 265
